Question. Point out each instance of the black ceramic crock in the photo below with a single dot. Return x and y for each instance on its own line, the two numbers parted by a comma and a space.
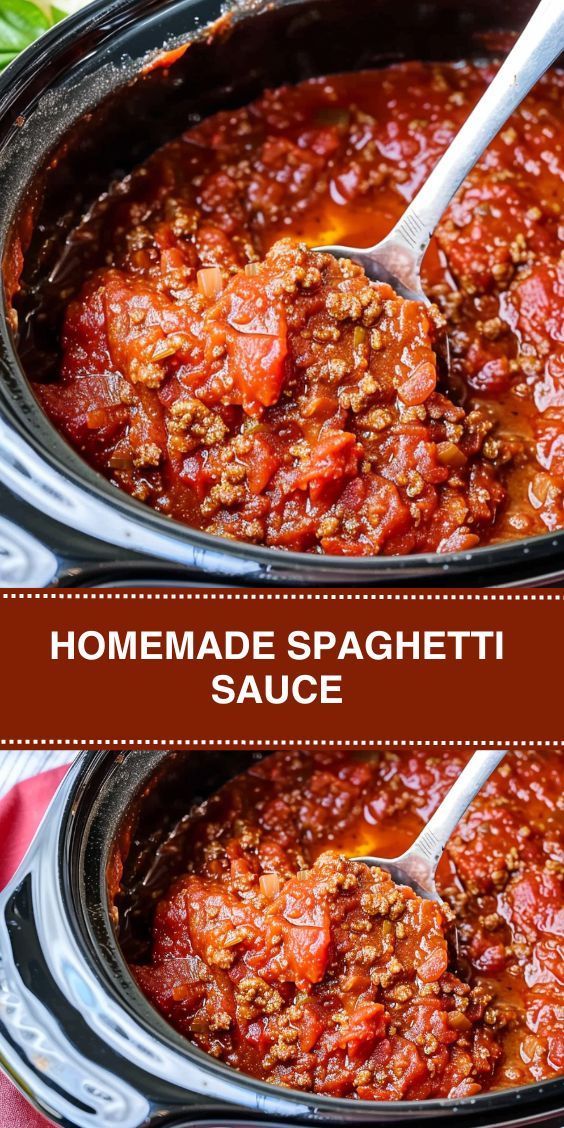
79, 109
76, 1034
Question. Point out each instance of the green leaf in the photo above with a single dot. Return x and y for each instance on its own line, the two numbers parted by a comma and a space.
6, 57
21, 21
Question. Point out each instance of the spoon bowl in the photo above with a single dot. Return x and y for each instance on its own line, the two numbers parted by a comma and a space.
398, 257
389, 261
392, 262
417, 867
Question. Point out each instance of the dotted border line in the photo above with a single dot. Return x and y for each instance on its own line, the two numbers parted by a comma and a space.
298, 596
243, 742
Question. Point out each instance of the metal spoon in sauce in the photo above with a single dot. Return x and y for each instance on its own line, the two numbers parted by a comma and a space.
418, 866
397, 258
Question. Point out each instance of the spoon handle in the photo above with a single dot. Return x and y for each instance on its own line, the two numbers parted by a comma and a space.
537, 47
428, 848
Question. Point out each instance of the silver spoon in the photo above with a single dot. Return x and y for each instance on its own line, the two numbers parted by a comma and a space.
418, 866
397, 258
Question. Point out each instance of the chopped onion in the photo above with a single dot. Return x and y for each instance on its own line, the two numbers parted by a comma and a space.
449, 454
164, 349
210, 281
252, 268
233, 937
119, 461
269, 885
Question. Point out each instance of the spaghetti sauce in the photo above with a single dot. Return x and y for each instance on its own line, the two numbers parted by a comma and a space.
220, 370
282, 957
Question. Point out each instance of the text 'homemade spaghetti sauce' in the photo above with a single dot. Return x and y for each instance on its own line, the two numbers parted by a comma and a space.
282, 957
240, 382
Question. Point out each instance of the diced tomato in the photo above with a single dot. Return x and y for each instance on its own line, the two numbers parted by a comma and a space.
420, 384
334, 457
255, 336
407, 1064
91, 408
256, 362
303, 920
492, 959
556, 1051
434, 965
493, 378
365, 1026
262, 463
311, 1026
147, 331
387, 513
338, 546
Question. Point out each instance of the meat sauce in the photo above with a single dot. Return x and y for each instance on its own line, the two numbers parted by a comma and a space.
282, 957
224, 373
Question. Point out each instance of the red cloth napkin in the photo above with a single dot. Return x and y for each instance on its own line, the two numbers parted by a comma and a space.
21, 811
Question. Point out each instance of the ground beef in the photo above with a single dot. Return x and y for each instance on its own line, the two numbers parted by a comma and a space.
281, 957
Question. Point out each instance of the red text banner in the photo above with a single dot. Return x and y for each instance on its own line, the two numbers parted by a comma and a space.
185, 668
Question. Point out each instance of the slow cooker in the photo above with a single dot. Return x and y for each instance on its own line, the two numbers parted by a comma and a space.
76, 1034
82, 107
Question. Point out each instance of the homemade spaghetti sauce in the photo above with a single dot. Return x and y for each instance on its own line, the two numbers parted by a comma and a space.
283, 958
230, 377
